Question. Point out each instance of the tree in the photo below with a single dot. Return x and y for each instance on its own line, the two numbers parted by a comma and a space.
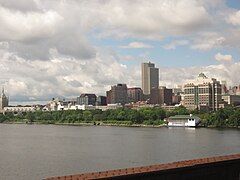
30, 117
87, 115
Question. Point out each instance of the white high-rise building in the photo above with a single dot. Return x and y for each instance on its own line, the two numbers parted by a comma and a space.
150, 77
202, 91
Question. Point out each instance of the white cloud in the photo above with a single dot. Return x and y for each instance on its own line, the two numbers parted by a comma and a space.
174, 44
177, 76
152, 19
19, 26
208, 41
61, 76
223, 58
234, 18
47, 47
136, 45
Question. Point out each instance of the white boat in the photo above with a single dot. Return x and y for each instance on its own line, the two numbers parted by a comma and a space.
183, 121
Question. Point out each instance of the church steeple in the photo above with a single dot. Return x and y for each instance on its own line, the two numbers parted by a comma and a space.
3, 92
3, 100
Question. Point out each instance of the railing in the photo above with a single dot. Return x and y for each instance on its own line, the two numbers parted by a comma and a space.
219, 168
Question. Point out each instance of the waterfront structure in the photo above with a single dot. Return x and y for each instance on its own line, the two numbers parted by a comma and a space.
117, 94
3, 100
101, 101
183, 121
135, 94
202, 91
86, 99
150, 77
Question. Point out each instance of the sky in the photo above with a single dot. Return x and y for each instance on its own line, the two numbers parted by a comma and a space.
62, 48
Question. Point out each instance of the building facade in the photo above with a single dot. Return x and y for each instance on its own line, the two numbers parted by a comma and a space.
161, 96
101, 101
231, 99
3, 100
150, 77
165, 95
202, 91
117, 94
135, 94
87, 99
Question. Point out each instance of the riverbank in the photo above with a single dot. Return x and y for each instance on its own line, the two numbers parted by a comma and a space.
98, 123
119, 124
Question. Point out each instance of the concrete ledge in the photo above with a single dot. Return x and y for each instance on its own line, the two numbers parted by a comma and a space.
220, 168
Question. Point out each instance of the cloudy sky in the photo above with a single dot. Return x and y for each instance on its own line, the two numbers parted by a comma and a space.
51, 48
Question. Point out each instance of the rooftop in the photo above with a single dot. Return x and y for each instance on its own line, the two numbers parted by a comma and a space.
182, 117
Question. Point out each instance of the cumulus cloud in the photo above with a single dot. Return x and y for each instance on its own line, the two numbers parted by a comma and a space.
61, 76
136, 45
171, 77
153, 19
223, 58
48, 48
234, 18
208, 41
174, 44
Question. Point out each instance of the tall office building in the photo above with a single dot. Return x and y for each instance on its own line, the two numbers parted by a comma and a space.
3, 100
135, 94
150, 77
87, 99
117, 94
202, 92
161, 95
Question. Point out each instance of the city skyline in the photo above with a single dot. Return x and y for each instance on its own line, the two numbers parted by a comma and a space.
48, 51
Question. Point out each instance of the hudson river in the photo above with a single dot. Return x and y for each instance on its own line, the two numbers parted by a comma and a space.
38, 151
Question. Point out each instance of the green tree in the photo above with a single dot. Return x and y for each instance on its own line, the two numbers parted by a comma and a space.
30, 117
87, 115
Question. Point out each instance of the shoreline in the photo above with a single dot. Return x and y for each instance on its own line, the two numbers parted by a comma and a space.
89, 124
112, 124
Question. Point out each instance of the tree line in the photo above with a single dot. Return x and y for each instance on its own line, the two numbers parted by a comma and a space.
227, 117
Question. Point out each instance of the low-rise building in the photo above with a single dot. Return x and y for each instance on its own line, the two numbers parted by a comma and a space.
16, 109
231, 99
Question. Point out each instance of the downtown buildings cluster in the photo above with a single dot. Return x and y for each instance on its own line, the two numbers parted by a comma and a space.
200, 93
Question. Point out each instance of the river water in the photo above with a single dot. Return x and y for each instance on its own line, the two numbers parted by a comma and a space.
38, 151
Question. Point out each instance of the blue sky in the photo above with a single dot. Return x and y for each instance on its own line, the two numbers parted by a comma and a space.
181, 56
65, 48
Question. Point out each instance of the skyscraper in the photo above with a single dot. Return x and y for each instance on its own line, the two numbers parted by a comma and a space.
150, 77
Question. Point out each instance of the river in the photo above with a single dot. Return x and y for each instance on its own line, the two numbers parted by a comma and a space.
38, 151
